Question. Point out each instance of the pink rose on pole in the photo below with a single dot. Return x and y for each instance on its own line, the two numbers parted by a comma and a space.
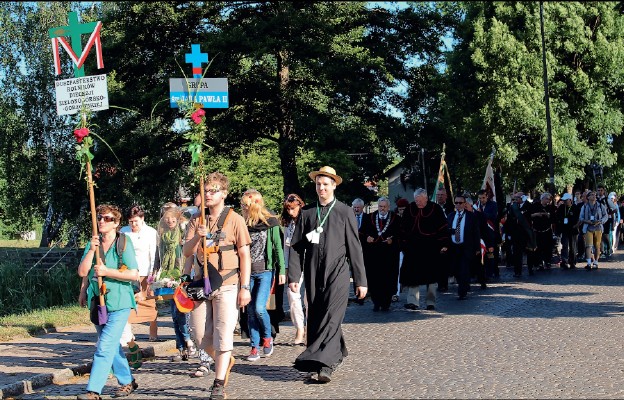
197, 116
81, 134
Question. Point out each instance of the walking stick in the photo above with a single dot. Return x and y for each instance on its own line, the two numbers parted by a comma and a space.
207, 286
101, 308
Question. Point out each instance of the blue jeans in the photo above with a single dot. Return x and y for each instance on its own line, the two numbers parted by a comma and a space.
258, 317
109, 353
179, 326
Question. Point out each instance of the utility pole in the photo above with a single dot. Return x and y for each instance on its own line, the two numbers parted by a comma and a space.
551, 161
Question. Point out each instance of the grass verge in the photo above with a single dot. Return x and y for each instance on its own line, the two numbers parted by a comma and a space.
38, 322
19, 243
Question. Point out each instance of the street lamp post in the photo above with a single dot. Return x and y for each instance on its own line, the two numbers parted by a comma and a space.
551, 162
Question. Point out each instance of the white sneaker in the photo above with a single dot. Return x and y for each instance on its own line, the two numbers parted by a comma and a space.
253, 355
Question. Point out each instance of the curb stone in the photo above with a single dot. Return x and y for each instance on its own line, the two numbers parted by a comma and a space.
63, 375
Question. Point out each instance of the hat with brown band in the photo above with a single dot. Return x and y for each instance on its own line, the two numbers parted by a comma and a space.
326, 171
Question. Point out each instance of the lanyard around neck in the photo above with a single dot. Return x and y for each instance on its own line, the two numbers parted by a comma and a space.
318, 213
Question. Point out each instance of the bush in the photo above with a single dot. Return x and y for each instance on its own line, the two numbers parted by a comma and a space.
23, 292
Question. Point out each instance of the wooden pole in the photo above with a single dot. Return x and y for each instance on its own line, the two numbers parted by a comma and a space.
94, 226
203, 221
435, 189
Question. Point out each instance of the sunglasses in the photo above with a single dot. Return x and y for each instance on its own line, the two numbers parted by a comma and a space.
213, 191
106, 218
459, 202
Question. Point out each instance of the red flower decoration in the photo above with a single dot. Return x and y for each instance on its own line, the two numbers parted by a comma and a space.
81, 134
197, 116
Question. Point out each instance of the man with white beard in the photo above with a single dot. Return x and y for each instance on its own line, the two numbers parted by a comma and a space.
381, 229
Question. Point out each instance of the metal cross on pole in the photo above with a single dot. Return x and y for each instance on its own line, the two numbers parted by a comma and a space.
196, 58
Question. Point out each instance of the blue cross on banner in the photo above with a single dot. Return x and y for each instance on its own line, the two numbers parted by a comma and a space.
196, 58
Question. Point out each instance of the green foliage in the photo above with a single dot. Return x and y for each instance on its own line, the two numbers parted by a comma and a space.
494, 94
23, 292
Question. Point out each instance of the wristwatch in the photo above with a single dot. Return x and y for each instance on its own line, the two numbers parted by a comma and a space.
246, 287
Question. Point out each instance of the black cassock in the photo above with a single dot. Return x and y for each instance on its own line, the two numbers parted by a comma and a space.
380, 258
326, 276
424, 232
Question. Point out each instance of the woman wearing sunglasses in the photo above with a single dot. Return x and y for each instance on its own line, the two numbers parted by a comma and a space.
117, 275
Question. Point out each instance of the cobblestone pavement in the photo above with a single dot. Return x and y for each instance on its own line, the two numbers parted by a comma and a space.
557, 334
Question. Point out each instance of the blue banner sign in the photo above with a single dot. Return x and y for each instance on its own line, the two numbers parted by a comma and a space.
210, 92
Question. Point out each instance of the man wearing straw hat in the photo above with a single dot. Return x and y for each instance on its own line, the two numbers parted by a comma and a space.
325, 246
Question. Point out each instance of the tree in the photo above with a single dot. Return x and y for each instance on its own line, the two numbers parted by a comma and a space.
494, 95
308, 77
36, 147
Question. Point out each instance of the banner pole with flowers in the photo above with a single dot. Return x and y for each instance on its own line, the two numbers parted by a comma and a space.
82, 95
191, 96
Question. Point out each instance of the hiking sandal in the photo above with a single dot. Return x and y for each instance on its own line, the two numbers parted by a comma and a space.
200, 372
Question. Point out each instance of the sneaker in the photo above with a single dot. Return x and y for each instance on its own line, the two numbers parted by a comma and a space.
253, 355
267, 346
588, 266
125, 390
595, 265
217, 392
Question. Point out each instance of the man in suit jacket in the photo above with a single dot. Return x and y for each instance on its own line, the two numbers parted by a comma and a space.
465, 243
360, 216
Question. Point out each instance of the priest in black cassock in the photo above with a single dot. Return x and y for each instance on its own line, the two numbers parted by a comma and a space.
325, 247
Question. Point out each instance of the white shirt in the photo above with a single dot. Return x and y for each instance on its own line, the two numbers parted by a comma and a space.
461, 228
145, 243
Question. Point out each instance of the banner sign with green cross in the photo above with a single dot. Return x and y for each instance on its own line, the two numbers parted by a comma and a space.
82, 92
75, 30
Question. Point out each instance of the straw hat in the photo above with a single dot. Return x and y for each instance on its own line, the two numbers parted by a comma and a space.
326, 171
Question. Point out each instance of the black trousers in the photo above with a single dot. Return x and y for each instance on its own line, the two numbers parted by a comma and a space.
543, 254
569, 242
477, 269
460, 267
518, 246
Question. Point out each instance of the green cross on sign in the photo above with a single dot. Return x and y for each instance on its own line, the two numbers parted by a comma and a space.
74, 30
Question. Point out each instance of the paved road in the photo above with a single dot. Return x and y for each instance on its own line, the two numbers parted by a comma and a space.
557, 334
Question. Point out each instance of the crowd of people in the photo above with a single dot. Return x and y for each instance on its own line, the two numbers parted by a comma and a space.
312, 252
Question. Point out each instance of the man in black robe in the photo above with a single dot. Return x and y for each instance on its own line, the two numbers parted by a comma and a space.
381, 231
424, 239
325, 246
